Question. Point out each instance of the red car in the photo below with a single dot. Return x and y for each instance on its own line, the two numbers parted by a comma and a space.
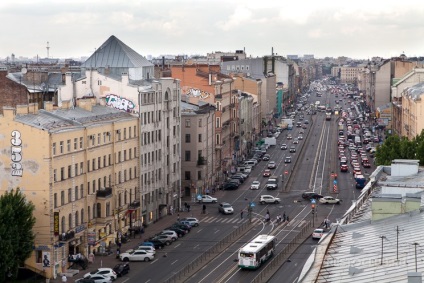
366, 164
344, 168
267, 173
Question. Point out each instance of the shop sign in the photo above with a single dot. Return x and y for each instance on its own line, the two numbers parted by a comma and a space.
56, 223
91, 238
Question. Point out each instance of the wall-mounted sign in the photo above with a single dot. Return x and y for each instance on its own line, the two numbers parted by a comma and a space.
16, 154
56, 223
91, 238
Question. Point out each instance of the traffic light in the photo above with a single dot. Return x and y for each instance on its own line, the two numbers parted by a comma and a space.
313, 208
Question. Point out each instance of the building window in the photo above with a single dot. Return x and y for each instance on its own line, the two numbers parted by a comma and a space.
55, 175
70, 220
82, 191
62, 173
187, 175
69, 171
199, 175
68, 145
76, 192
81, 142
62, 198
200, 123
54, 148
55, 200
69, 195
187, 123
187, 138
61, 147
187, 155
200, 137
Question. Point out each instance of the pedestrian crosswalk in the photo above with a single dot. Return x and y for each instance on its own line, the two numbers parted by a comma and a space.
227, 220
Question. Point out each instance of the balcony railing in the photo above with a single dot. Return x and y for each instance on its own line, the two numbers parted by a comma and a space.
104, 193
67, 236
201, 161
134, 205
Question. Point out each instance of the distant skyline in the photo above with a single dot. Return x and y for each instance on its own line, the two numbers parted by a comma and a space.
329, 28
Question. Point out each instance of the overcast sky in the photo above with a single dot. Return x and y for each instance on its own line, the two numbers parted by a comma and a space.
358, 29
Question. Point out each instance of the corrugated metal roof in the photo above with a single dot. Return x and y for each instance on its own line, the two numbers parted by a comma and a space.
356, 252
115, 54
64, 119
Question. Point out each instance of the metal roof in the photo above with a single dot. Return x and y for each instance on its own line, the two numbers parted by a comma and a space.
66, 119
356, 253
115, 54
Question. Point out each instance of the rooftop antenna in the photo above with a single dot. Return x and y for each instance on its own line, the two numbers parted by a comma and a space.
48, 49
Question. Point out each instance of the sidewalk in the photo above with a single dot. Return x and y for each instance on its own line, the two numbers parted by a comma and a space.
149, 231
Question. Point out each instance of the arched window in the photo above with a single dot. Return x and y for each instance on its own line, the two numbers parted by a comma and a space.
166, 95
63, 227
89, 213
82, 216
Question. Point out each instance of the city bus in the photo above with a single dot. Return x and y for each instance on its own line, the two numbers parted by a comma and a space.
256, 252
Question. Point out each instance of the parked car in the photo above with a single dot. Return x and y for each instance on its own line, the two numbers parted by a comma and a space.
136, 255
95, 279
172, 234
121, 268
209, 199
102, 271
194, 222
255, 185
268, 199
163, 238
180, 232
155, 243
225, 208
329, 200
230, 186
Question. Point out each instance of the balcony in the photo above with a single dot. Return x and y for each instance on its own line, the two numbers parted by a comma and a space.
134, 205
201, 161
104, 193
67, 236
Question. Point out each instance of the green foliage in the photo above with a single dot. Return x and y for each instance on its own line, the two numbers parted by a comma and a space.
395, 147
16, 235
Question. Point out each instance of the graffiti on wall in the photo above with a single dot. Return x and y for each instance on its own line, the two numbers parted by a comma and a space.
195, 92
16, 154
120, 103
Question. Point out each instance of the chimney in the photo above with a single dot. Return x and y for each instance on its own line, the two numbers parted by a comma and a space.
85, 104
21, 109
9, 112
66, 104
33, 108
68, 79
48, 106
125, 79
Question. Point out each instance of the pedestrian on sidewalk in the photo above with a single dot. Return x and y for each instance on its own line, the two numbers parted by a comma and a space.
326, 223
204, 209
188, 208
241, 214
288, 220
178, 217
207, 191
284, 217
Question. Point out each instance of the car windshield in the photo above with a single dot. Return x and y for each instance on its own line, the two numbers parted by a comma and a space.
226, 205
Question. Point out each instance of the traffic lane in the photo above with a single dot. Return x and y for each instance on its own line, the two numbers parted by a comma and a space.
183, 251
291, 269
225, 264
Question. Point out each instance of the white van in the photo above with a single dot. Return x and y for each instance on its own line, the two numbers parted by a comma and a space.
250, 163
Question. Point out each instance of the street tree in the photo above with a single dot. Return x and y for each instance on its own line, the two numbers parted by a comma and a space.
16, 234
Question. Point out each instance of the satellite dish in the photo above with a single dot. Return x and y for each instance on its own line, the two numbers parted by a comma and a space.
24, 70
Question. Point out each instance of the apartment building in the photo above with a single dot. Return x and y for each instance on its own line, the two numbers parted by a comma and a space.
79, 167
122, 79
198, 148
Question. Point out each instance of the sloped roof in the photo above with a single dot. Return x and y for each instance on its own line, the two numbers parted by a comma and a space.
414, 92
115, 54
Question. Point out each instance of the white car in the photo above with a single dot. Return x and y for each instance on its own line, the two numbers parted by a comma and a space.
108, 272
268, 199
146, 248
98, 278
172, 234
317, 234
194, 222
255, 185
137, 255
329, 200
209, 199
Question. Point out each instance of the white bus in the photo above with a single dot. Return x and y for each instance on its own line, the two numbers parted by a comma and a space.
253, 254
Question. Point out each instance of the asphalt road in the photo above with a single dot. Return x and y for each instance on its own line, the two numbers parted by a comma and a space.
310, 170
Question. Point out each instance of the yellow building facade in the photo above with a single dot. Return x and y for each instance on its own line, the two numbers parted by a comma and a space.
79, 166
